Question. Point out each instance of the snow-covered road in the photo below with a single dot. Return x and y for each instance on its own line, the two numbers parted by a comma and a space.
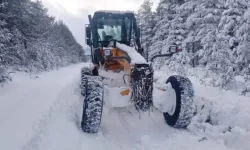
44, 114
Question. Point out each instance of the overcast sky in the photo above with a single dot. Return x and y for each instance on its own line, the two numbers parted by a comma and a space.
74, 12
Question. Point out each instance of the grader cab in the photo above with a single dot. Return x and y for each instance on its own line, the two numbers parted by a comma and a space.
121, 75
106, 26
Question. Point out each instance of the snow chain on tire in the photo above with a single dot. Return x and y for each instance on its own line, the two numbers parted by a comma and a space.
142, 86
184, 102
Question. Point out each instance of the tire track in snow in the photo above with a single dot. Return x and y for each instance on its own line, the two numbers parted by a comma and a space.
60, 129
122, 126
114, 129
58, 120
129, 131
27, 104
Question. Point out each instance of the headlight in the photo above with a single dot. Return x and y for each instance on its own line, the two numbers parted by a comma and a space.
107, 52
173, 49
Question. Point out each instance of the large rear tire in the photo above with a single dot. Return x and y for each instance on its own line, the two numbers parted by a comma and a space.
92, 90
184, 109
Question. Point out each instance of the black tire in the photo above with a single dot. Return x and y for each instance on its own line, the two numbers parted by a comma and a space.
142, 86
184, 110
93, 104
89, 71
86, 71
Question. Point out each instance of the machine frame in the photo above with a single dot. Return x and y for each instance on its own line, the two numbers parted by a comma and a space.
112, 64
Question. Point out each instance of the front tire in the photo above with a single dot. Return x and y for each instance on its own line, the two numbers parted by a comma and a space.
93, 104
92, 90
184, 109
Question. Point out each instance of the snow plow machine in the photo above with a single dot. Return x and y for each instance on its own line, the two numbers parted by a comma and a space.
121, 77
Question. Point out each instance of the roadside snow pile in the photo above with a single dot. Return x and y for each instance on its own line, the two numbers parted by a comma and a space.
224, 116
227, 108
133, 54
221, 115
181, 140
237, 84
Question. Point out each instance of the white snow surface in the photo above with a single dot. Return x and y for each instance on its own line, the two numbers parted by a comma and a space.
44, 113
133, 54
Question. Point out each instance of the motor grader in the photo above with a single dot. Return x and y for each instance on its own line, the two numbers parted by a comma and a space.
120, 76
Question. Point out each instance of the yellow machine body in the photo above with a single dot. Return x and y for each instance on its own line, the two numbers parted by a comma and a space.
114, 64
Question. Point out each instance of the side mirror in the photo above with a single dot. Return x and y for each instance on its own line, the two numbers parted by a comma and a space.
88, 42
88, 35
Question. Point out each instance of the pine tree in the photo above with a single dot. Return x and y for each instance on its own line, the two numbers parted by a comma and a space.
146, 23
203, 27
164, 16
177, 30
223, 59
242, 51
15, 48
219, 30
5, 37
31, 39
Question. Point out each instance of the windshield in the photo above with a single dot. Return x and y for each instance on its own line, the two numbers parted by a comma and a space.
117, 29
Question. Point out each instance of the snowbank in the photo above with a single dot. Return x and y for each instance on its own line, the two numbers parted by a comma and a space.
221, 115
181, 141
